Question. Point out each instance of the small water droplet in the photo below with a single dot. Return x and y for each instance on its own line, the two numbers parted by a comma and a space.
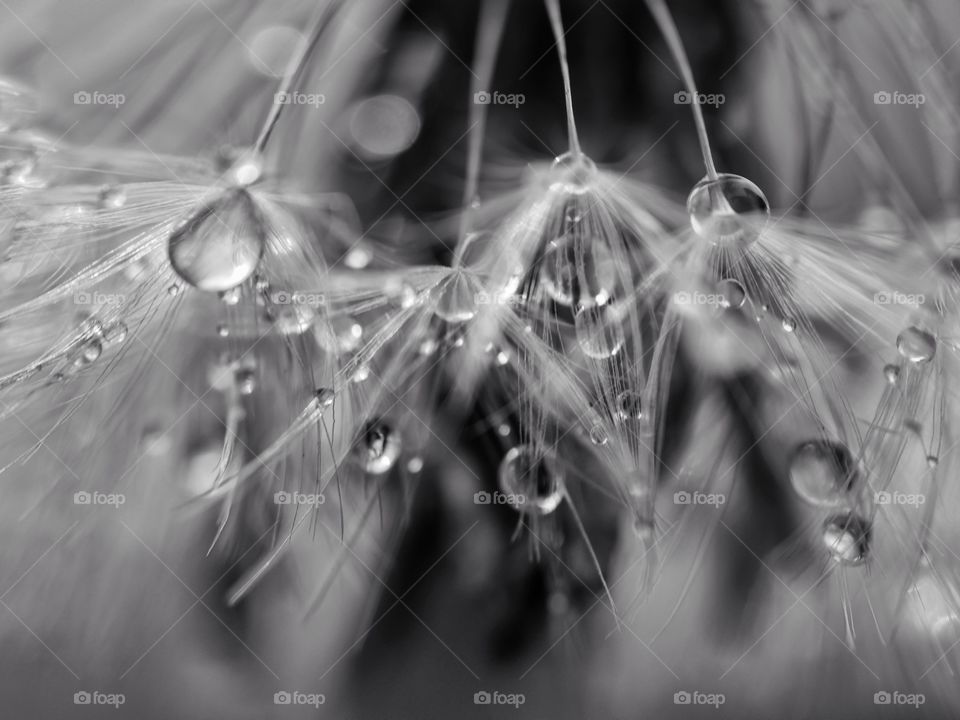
599, 332
598, 436
730, 210
733, 294
532, 479
381, 447
455, 298
223, 330
246, 379
429, 346
629, 405
173, 290
932, 461
221, 245
578, 271
112, 197
415, 464
89, 353
891, 373
789, 325
361, 374
324, 397
115, 333
358, 258
847, 538
823, 473
916, 345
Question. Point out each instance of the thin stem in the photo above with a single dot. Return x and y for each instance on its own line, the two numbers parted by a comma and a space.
489, 33
556, 24
325, 11
664, 20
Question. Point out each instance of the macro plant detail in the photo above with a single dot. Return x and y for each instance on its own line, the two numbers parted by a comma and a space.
410, 359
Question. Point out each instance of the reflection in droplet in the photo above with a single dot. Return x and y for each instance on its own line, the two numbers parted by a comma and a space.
733, 294
823, 473
221, 245
847, 538
532, 479
381, 447
578, 272
455, 298
730, 210
599, 332
916, 345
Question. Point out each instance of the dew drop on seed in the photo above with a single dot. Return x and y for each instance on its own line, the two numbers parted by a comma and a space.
916, 345
891, 373
598, 436
221, 246
578, 272
324, 397
789, 325
381, 447
294, 319
847, 538
415, 464
733, 294
89, 353
360, 374
730, 210
629, 405
455, 298
173, 290
532, 479
223, 330
932, 461
823, 473
599, 332
428, 347
503, 429
358, 258
115, 333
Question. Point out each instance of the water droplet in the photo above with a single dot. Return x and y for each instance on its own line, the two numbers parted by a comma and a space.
116, 333
730, 210
891, 373
599, 332
503, 429
338, 334
789, 325
916, 345
89, 353
532, 479
598, 436
112, 197
231, 296
629, 405
223, 330
361, 374
246, 379
823, 473
358, 258
324, 397
415, 464
500, 356
455, 298
932, 461
221, 245
847, 538
173, 290
429, 346
381, 447
572, 174
578, 272
733, 294
294, 319
240, 166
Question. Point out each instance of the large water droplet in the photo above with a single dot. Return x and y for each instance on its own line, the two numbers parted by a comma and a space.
599, 332
578, 272
730, 210
381, 447
455, 298
847, 538
221, 246
532, 479
916, 345
823, 473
